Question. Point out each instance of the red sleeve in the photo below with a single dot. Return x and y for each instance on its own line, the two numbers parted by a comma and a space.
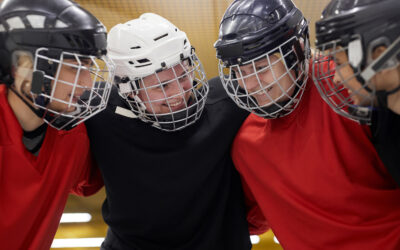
90, 180
256, 220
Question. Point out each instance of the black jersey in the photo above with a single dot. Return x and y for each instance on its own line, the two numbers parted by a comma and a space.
172, 190
386, 138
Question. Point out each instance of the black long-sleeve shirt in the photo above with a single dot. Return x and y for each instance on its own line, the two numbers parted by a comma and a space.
175, 190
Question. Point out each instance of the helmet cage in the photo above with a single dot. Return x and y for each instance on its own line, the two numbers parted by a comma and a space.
293, 61
340, 94
78, 100
144, 107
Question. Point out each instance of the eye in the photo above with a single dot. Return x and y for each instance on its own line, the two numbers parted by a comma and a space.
183, 78
160, 86
239, 73
337, 61
261, 67
73, 69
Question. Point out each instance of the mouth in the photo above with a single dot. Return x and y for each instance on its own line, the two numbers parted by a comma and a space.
260, 93
75, 97
262, 96
176, 104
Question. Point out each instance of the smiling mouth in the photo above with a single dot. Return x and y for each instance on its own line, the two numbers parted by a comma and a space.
262, 92
175, 104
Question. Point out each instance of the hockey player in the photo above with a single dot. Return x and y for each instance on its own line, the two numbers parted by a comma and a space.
50, 55
314, 174
163, 146
363, 39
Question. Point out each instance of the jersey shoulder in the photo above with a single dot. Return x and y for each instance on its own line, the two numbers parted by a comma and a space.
217, 92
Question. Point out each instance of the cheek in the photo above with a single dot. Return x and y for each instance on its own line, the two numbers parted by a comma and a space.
343, 74
268, 77
143, 96
66, 74
353, 85
387, 80
151, 96
60, 89
187, 84
85, 79
241, 83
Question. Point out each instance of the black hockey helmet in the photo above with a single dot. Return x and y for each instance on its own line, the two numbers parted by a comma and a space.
51, 31
61, 25
374, 22
251, 30
357, 27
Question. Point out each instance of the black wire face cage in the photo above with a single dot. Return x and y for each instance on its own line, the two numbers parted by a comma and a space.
339, 81
78, 90
170, 99
270, 85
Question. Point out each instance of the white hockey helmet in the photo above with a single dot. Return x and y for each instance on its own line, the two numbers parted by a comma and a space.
145, 47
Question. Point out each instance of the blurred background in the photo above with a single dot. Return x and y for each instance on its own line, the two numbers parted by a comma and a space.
82, 226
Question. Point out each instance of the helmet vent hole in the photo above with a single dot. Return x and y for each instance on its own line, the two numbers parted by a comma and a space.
78, 41
230, 36
85, 44
160, 37
144, 65
144, 60
60, 24
69, 40
135, 47
36, 21
130, 62
15, 23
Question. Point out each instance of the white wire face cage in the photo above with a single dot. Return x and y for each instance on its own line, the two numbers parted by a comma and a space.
79, 89
270, 85
170, 99
336, 80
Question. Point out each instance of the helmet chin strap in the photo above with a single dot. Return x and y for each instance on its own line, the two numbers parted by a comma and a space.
382, 96
37, 112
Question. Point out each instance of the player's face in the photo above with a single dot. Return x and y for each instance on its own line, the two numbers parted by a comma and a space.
266, 83
384, 80
167, 91
65, 93
345, 75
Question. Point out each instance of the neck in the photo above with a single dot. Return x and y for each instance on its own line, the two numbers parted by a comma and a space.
28, 120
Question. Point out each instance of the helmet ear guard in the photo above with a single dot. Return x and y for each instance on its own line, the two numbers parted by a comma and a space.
129, 89
37, 82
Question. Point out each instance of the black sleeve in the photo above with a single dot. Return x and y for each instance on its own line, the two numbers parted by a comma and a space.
385, 130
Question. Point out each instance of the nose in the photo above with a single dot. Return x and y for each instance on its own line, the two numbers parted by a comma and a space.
250, 83
178, 87
85, 79
337, 80
174, 89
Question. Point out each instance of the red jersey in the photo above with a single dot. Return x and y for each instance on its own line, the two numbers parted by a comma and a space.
34, 190
318, 180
